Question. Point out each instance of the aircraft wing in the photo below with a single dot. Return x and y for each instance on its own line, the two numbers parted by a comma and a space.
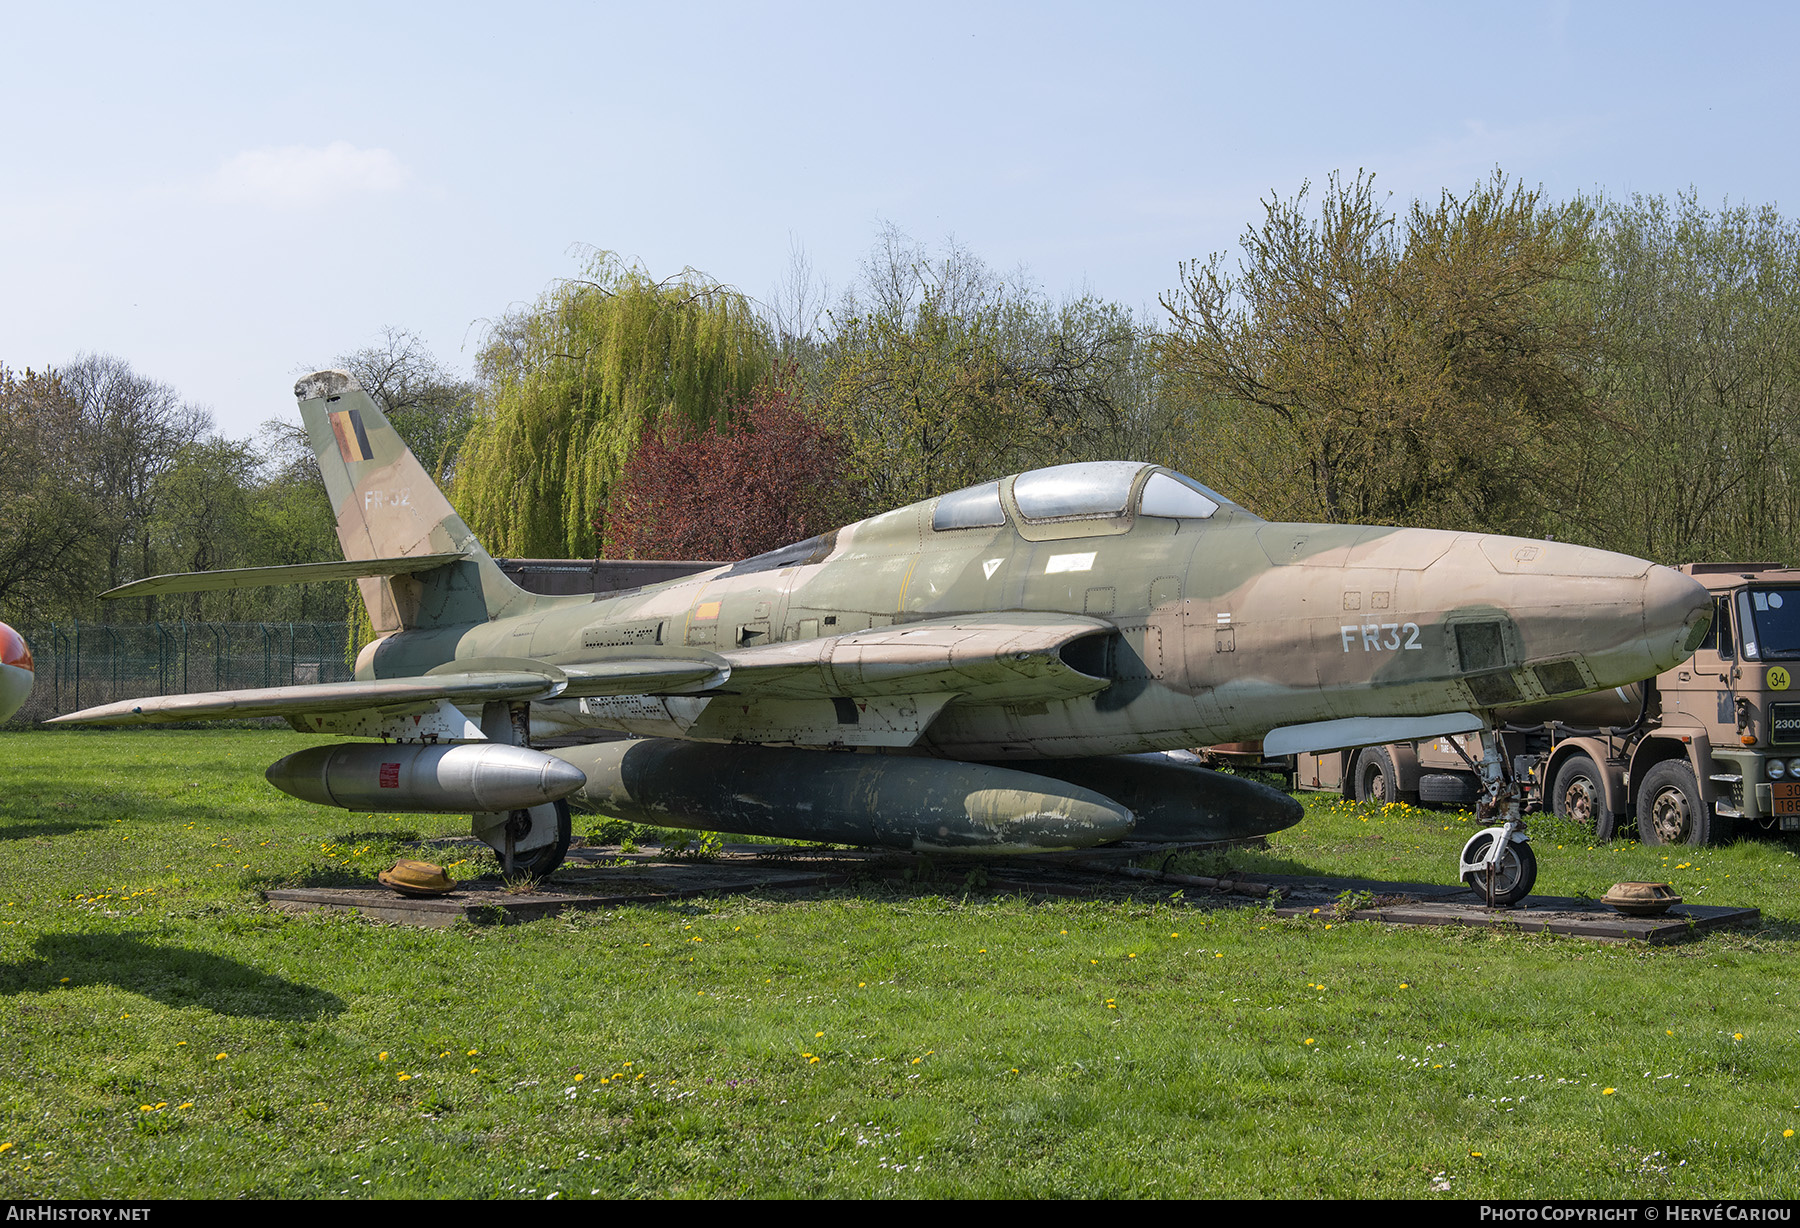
996, 658
382, 694
986, 658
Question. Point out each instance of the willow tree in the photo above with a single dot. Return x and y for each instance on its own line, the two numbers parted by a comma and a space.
578, 379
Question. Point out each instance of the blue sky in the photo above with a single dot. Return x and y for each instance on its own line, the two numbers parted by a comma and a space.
225, 195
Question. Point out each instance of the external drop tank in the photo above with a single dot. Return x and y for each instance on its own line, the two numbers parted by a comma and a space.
900, 801
473, 777
928, 804
1175, 799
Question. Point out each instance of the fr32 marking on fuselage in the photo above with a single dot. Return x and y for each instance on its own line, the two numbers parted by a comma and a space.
1375, 637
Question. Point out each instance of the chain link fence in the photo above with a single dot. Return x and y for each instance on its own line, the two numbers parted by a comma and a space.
82, 664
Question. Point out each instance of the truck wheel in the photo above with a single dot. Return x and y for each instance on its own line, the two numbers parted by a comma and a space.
1448, 789
1376, 779
1579, 796
1670, 809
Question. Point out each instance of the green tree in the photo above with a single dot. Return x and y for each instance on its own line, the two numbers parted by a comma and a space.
53, 526
1358, 370
1700, 378
134, 427
574, 383
941, 373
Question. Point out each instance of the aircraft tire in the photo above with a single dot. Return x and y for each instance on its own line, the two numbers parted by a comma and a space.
1670, 807
1579, 796
540, 863
1517, 874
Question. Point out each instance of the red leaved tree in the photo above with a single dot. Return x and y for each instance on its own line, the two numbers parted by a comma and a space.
768, 475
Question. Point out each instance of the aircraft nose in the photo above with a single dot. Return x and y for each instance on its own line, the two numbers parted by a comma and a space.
1677, 612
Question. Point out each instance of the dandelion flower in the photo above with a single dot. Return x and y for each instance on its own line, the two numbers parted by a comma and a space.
1737, 1036
382, 1056
218, 1057
1607, 1091
1309, 1040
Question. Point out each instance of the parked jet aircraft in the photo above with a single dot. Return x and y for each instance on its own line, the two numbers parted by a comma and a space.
15, 671
1009, 659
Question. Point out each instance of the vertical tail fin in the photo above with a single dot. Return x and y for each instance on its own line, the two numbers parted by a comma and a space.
387, 506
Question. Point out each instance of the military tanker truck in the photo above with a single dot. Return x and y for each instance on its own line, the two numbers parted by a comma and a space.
1692, 755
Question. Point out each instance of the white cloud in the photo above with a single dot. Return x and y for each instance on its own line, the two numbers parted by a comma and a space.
299, 176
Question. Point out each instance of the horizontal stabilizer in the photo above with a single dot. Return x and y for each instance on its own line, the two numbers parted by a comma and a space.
264, 577
381, 694
1365, 731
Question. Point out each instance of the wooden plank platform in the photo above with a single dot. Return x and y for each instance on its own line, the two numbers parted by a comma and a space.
591, 878
607, 878
1580, 918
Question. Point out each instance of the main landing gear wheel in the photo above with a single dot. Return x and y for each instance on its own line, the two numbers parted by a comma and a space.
1513, 877
540, 839
1579, 796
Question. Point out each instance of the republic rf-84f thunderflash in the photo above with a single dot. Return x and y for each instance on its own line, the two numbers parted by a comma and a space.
1005, 661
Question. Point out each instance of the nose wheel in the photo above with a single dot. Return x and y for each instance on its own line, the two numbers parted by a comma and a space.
1502, 880
1497, 862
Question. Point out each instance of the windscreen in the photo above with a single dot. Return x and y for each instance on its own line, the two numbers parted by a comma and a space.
1769, 619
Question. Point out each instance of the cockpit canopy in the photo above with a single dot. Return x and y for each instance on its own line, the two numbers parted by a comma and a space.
1087, 490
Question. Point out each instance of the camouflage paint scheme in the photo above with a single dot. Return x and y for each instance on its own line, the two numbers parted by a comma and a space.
1103, 633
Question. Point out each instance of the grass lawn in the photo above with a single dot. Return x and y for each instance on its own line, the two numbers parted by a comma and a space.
169, 1035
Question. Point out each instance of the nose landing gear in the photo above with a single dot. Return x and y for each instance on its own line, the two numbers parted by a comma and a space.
1497, 861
